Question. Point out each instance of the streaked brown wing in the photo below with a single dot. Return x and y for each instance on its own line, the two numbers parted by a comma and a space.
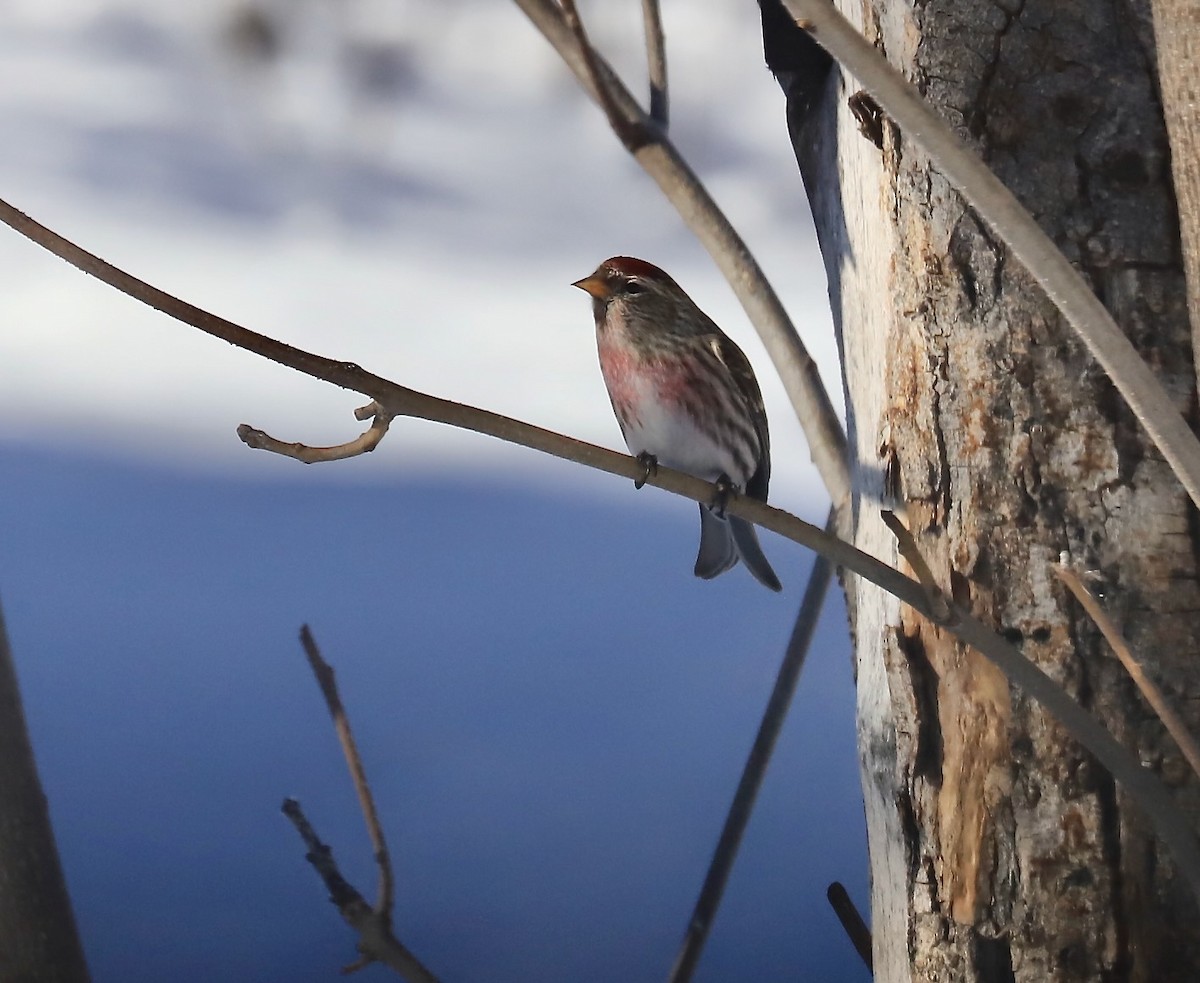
743, 375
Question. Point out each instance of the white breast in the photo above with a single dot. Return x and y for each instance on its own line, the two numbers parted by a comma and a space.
673, 437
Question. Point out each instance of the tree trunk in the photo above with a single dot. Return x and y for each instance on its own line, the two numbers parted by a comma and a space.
1177, 37
38, 941
999, 850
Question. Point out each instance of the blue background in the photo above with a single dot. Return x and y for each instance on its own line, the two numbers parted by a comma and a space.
552, 711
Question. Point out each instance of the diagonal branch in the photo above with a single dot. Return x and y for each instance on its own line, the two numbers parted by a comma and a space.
401, 401
377, 941
1154, 696
341, 724
997, 206
632, 130
659, 158
907, 545
852, 922
755, 768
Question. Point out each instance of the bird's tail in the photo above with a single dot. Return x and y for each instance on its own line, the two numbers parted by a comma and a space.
717, 552
724, 541
745, 538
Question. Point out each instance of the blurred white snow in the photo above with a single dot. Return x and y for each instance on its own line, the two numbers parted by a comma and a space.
408, 184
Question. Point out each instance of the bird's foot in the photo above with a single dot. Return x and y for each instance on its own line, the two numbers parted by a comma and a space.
726, 490
649, 465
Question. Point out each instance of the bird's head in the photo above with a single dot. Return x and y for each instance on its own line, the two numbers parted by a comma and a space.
632, 286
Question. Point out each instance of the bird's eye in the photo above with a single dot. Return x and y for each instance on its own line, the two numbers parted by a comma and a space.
633, 287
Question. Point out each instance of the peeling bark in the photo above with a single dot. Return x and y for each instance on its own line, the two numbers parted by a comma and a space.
999, 849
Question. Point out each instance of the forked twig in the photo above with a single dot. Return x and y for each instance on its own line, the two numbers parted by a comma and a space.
376, 938
632, 132
1154, 696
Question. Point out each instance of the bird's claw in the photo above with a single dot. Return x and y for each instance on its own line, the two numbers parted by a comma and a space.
649, 465
726, 489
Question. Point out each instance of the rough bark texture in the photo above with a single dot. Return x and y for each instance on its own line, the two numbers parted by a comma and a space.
1177, 37
999, 850
38, 941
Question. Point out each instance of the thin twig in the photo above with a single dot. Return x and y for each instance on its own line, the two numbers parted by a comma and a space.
376, 941
328, 683
363, 444
755, 769
997, 206
656, 63
661, 161
631, 131
1154, 696
401, 401
912, 553
852, 922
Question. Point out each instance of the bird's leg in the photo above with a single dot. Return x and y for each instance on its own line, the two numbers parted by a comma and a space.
649, 465
726, 490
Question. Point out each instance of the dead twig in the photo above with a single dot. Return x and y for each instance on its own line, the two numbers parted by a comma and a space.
1154, 696
364, 444
376, 938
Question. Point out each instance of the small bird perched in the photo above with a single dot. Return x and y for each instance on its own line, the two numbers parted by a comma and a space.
684, 395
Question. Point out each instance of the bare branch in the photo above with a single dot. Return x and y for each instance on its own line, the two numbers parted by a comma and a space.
997, 206
912, 553
631, 131
401, 401
659, 158
364, 444
1154, 696
376, 941
852, 921
328, 683
656, 63
755, 768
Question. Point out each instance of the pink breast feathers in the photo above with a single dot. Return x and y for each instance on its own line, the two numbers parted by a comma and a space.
632, 381
622, 374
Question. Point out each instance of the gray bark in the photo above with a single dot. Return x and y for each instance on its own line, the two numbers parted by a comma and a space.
38, 940
999, 850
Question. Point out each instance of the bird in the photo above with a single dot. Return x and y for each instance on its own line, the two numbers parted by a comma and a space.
684, 396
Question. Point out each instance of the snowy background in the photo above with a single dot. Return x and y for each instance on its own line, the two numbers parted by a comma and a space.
554, 712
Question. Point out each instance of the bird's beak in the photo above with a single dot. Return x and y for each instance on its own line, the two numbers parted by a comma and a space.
596, 286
